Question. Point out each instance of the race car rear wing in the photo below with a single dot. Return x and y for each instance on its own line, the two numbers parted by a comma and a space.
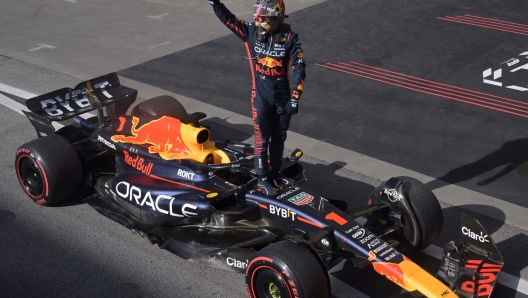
66, 103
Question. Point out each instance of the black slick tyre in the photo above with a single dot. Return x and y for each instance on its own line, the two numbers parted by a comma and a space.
48, 169
427, 211
285, 270
162, 106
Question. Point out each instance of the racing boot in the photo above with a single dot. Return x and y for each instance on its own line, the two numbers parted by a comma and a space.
266, 188
279, 180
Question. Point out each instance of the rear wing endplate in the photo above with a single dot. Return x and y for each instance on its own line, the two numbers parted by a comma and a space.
42, 125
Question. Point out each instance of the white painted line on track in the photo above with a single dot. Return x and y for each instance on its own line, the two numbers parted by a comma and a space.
343, 290
42, 46
158, 17
15, 91
17, 107
13, 105
71, 1
517, 88
159, 45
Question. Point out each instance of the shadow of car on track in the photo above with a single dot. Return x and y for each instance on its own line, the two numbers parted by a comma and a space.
78, 199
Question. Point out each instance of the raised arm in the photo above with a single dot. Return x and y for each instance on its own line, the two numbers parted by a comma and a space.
238, 26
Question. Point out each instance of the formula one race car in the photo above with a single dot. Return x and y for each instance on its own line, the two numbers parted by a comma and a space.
156, 172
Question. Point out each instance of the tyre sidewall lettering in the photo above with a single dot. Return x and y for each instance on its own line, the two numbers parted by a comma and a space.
285, 275
26, 153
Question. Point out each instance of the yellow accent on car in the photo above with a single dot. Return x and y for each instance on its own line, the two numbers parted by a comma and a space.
414, 278
211, 195
197, 140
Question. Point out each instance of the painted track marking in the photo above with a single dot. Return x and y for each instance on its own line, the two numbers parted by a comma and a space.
159, 17
488, 23
159, 45
42, 46
489, 101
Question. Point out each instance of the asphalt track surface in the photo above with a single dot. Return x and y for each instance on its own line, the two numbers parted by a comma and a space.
72, 251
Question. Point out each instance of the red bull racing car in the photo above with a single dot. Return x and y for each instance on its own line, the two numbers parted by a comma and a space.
156, 172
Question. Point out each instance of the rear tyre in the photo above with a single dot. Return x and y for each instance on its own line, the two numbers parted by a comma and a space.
286, 269
49, 169
162, 106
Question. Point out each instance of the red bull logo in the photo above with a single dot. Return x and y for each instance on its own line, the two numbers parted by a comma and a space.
269, 62
138, 163
271, 71
163, 135
488, 274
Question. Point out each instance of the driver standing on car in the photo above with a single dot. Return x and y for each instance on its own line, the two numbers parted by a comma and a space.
271, 48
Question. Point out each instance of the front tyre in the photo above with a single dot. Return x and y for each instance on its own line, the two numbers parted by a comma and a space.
285, 270
411, 223
48, 169
427, 210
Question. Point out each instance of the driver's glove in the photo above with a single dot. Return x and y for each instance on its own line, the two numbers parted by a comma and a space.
215, 2
293, 106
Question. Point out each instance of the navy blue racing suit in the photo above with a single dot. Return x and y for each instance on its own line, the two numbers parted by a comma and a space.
269, 59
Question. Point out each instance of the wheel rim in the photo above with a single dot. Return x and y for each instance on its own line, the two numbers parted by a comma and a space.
270, 285
31, 177
403, 233
274, 290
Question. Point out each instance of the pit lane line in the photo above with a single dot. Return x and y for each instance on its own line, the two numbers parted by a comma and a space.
506, 279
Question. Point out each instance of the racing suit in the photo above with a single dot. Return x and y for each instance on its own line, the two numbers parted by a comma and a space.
269, 59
